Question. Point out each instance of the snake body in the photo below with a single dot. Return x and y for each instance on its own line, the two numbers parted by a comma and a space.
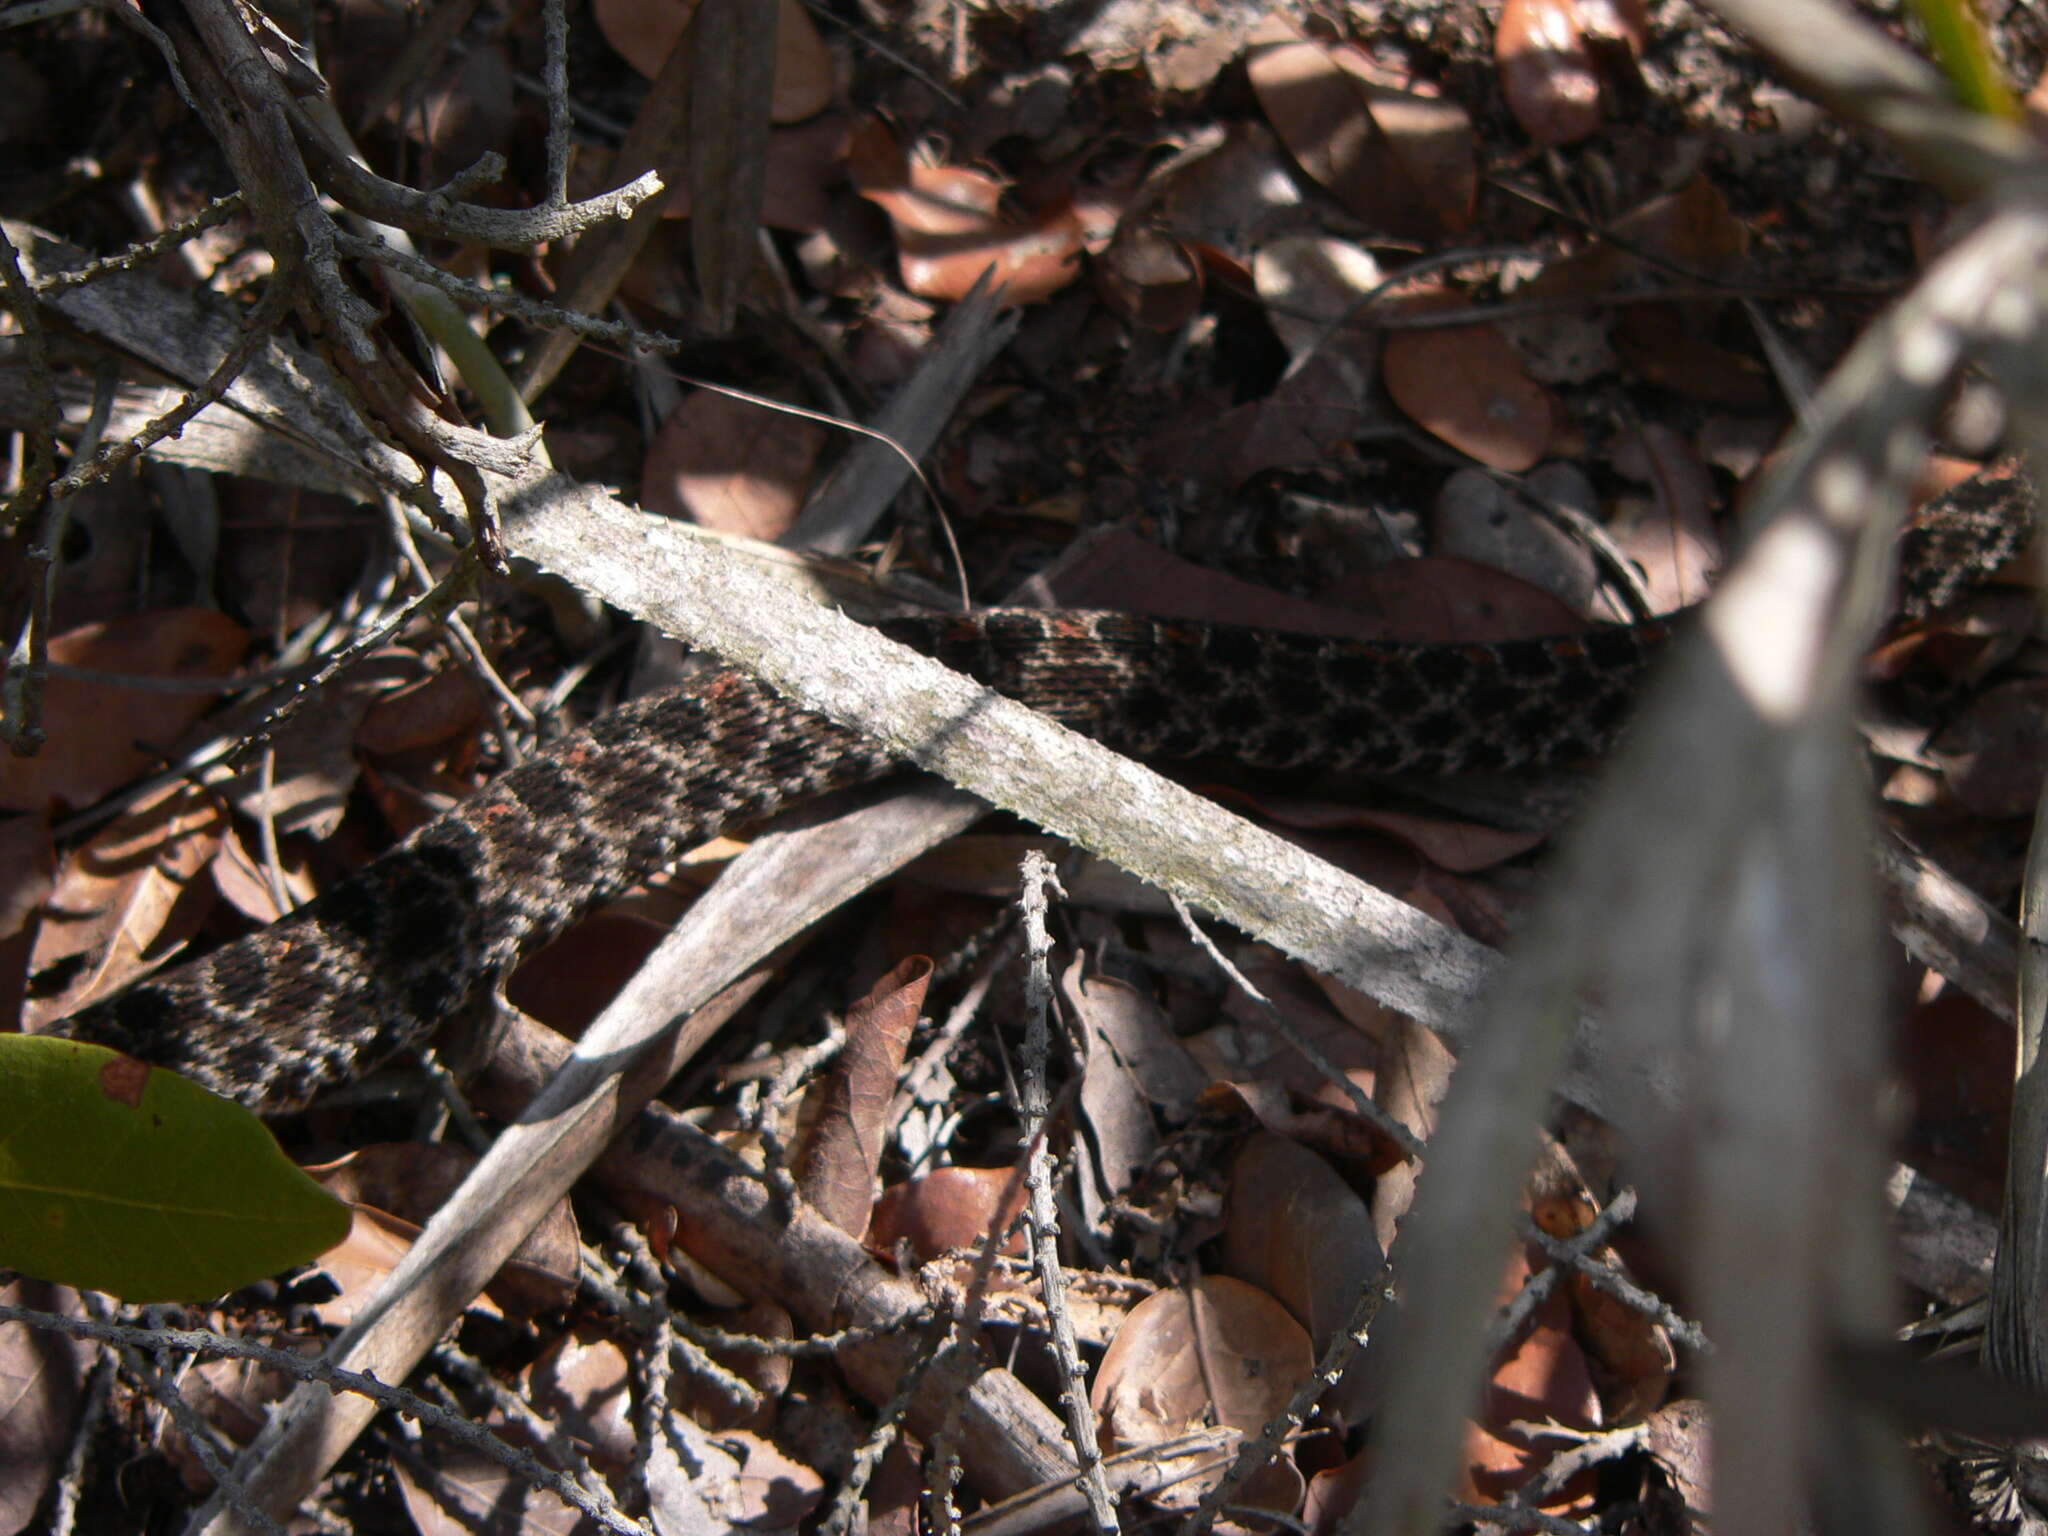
379, 961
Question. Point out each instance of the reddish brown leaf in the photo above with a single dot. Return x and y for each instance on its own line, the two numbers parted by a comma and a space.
948, 1208
102, 735
127, 899
1216, 1352
424, 712
1547, 73
836, 1163
1402, 160
950, 230
1465, 384
1296, 1229
731, 464
1542, 1378
643, 32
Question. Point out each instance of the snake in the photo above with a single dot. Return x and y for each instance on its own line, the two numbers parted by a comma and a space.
374, 965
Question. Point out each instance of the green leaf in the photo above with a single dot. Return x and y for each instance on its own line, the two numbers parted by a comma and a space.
120, 1177
1955, 34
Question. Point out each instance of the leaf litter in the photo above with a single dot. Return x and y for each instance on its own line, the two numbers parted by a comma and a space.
1259, 377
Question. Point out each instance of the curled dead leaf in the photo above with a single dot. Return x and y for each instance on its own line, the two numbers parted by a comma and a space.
1149, 278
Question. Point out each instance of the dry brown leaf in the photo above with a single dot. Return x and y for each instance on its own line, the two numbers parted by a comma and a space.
643, 32
442, 706
1693, 226
314, 764
361, 1261
234, 1397
42, 1376
240, 877
948, 1208
582, 1382
1463, 847
806, 162
1546, 69
1218, 1352
127, 899
836, 1163
567, 984
1992, 753
1311, 285
1955, 1065
1225, 197
1149, 278
731, 464
1681, 1442
1414, 1076
102, 735
1542, 1378
1402, 160
452, 1491
466, 112
1633, 1352
1674, 539
740, 1482
950, 230
397, 1187
1664, 345
1134, 1067
28, 865
1511, 528
709, 1403
1443, 599
1296, 1229
1561, 62
1466, 385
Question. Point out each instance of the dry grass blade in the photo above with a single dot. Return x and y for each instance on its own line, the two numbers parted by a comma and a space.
1730, 753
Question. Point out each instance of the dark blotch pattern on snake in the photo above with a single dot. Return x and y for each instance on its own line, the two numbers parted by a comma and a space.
378, 962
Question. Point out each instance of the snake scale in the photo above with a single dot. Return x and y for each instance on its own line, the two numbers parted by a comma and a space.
379, 961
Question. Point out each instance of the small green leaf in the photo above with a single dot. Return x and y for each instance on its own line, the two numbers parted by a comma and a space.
1956, 36
120, 1177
